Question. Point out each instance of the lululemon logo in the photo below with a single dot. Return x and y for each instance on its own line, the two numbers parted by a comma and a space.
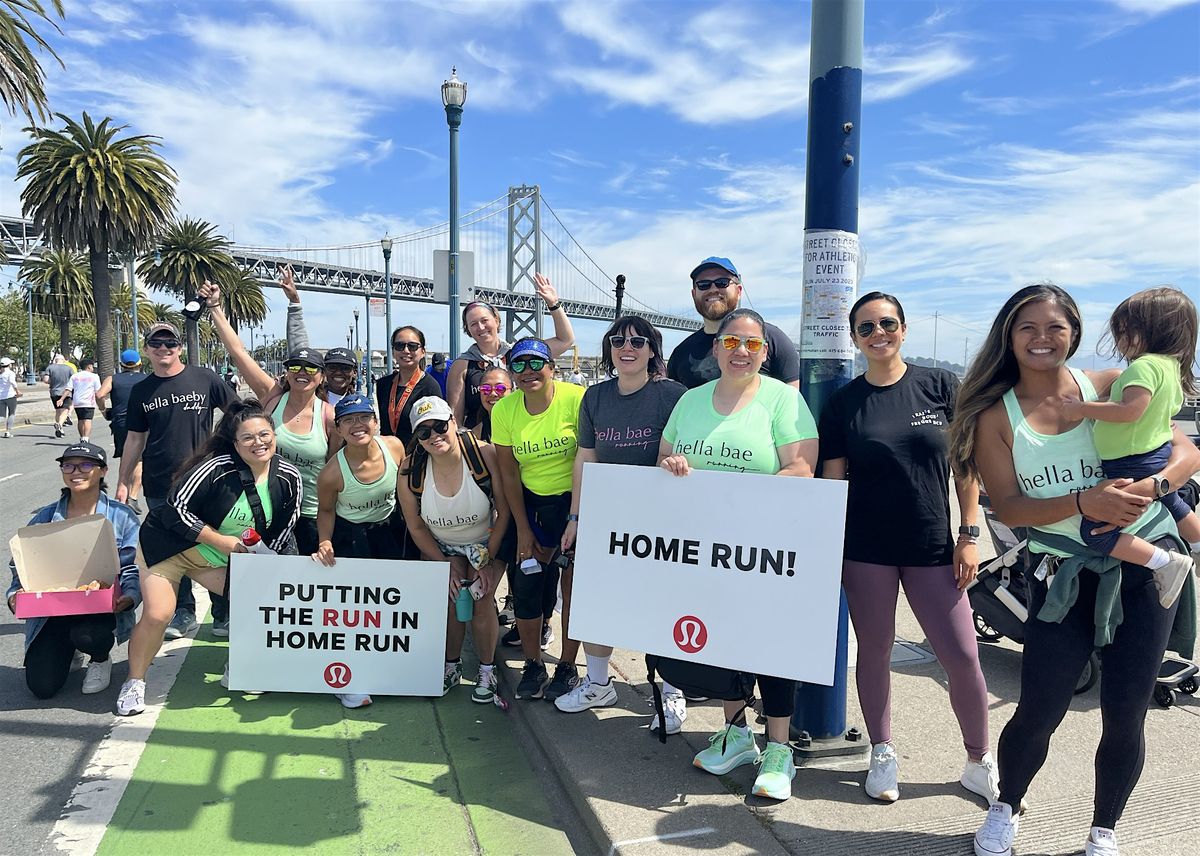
337, 675
690, 634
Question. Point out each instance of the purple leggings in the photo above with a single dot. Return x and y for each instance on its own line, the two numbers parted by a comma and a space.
944, 613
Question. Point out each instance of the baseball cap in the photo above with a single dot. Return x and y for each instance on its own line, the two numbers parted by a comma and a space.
430, 407
714, 261
340, 357
352, 403
529, 348
130, 357
87, 451
438, 358
161, 327
5, 361
305, 357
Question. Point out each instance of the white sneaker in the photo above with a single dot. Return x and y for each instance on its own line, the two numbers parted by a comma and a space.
353, 700
982, 777
995, 837
225, 682
1101, 842
98, 677
132, 698
881, 783
588, 695
1170, 577
675, 707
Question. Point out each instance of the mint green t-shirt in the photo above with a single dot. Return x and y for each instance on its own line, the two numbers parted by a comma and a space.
1160, 375
238, 520
743, 442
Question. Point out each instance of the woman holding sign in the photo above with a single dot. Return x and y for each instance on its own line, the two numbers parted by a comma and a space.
745, 422
234, 483
885, 432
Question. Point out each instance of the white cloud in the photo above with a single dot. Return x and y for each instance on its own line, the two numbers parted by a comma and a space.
1150, 7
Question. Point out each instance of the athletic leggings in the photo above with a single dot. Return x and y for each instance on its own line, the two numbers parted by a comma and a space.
944, 614
1054, 657
48, 658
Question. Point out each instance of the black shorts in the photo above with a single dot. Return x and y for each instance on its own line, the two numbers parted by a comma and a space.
85, 412
55, 396
119, 433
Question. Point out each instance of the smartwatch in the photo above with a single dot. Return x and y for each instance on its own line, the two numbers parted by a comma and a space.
573, 517
1161, 486
972, 531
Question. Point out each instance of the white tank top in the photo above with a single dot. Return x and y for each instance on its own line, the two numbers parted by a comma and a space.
465, 518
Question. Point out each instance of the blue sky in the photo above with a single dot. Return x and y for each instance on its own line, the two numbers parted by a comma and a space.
1002, 143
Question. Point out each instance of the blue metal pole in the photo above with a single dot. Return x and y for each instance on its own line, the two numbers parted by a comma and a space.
453, 119
30, 371
364, 371
387, 296
133, 305
830, 281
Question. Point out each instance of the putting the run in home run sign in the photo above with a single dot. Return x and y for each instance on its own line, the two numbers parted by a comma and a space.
731, 569
362, 626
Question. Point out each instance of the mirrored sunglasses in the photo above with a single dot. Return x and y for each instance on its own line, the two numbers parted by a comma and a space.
493, 388
296, 368
532, 363
753, 344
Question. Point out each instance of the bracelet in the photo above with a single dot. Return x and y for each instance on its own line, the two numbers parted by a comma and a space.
555, 307
1079, 504
967, 539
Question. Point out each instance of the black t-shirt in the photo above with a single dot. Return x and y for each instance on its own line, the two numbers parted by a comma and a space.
894, 440
426, 385
692, 362
122, 385
176, 414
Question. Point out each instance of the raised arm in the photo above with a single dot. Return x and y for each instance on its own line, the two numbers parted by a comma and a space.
261, 382
295, 332
564, 336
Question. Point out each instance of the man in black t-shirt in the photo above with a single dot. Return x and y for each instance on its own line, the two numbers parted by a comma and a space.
170, 416
114, 398
716, 290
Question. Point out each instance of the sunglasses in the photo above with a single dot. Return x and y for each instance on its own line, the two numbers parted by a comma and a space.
412, 347
427, 429
163, 343
635, 342
297, 368
263, 437
705, 284
753, 344
493, 389
533, 363
81, 467
887, 325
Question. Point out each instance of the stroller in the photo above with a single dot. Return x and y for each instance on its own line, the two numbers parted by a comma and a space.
999, 598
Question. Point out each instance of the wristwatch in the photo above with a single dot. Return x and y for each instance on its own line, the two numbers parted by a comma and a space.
973, 531
1161, 486
573, 517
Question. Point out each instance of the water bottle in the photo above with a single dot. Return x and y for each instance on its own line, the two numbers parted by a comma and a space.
464, 604
253, 543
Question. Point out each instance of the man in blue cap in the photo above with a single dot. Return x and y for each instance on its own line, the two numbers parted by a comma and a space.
716, 290
113, 397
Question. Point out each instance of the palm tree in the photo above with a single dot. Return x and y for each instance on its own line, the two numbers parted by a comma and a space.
243, 301
61, 290
162, 312
90, 190
189, 252
121, 300
22, 81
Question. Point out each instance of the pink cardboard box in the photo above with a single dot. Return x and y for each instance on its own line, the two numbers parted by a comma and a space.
65, 554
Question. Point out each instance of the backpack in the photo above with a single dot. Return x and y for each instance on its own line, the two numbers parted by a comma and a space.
696, 679
475, 464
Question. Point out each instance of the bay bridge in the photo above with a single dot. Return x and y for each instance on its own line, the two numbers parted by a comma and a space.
510, 238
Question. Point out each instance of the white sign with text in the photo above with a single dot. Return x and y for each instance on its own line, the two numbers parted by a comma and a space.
730, 569
362, 626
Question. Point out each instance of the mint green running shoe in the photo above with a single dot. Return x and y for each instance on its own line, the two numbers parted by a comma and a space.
729, 748
776, 771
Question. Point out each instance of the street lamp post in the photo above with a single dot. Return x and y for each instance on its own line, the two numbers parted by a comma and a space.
454, 96
386, 244
30, 377
356, 329
133, 305
366, 369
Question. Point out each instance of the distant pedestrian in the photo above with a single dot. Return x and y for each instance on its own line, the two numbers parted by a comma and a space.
114, 397
84, 385
58, 376
9, 393
439, 370
232, 379
576, 378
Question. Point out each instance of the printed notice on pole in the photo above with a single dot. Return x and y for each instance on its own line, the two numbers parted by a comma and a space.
830, 284
378, 307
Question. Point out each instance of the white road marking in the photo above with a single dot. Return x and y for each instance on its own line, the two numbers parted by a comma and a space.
687, 833
13, 476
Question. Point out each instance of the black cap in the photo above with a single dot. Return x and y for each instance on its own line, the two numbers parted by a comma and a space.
87, 451
438, 358
305, 357
340, 357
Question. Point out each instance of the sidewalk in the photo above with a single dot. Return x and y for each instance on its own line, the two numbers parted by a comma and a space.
34, 405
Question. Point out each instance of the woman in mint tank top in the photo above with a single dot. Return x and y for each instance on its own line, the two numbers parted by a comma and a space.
1041, 471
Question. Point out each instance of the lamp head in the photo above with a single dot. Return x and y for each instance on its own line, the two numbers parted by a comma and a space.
386, 244
454, 91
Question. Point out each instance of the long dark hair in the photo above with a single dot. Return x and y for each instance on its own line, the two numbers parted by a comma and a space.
876, 295
223, 440
639, 327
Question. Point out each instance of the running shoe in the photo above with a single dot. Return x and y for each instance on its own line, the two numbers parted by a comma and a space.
587, 695
728, 749
881, 783
1101, 842
566, 678
776, 769
225, 682
182, 623
452, 676
1170, 577
533, 679
57, 431
132, 698
507, 613
485, 687
353, 700
98, 677
547, 635
675, 707
982, 777
511, 639
995, 837
220, 628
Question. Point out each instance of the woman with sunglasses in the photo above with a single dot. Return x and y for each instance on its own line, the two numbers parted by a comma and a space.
51, 643
235, 482
535, 431
885, 432
408, 383
768, 425
494, 384
453, 519
303, 418
636, 403
481, 322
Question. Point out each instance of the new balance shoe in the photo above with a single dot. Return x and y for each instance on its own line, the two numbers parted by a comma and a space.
353, 700
1101, 842
533, 679
182, 623
588, 695
1170, 577
566, 678
485, 687
982, 777
132, 698
98, 677
882, 776
452, 676
995, 837
729, 748
675, 708
220, 628
776, 769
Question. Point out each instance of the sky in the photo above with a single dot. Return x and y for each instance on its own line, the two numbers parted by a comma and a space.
1002, 142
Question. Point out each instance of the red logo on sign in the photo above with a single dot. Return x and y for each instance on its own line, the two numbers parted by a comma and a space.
337, 675
690, 634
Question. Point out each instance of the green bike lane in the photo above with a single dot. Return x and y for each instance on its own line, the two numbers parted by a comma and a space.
226, 772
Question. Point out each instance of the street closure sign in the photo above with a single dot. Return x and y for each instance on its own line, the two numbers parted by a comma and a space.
731, 569
362, 626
